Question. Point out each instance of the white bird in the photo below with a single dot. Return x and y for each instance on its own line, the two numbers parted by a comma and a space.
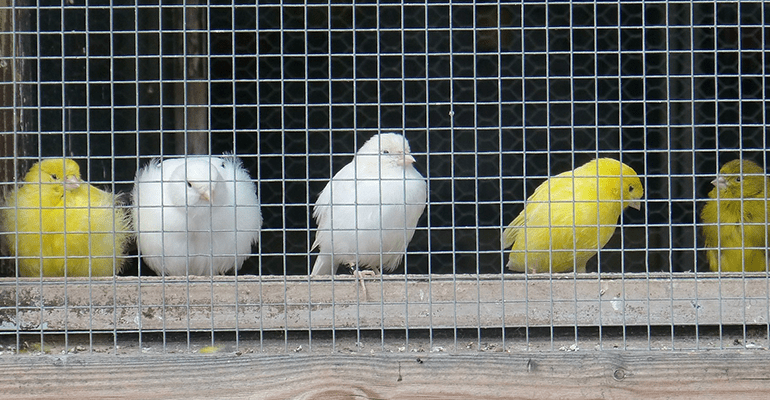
195, 215
367, 213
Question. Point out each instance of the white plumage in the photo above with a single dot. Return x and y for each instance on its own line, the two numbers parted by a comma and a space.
196, 215
368, 212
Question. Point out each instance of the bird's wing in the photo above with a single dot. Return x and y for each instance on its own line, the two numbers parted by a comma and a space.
532, 207
240, 184
321, 213
342, 186
542, 203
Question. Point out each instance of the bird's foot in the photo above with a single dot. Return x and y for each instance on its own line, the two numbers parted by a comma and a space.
362, 274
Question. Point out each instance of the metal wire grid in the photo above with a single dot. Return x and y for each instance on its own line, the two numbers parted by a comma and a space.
493, 97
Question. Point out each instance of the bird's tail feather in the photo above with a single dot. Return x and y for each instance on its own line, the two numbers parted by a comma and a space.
323, 265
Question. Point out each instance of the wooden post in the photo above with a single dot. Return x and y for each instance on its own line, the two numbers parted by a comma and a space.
193, 93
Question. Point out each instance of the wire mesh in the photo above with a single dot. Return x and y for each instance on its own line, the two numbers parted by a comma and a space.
494, 98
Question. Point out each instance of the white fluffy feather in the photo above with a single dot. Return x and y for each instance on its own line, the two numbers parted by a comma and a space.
197, 215
368, 212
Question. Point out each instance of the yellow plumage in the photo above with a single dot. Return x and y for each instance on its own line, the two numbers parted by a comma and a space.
736, 227
571, 216
64, 225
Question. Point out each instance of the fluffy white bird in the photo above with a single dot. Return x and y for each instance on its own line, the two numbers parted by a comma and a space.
195, 215
367, 213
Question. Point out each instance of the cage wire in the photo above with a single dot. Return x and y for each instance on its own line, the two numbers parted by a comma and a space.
494, 98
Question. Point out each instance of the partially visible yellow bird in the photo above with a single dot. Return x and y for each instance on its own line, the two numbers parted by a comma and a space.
736, 225
65, 226
571, 216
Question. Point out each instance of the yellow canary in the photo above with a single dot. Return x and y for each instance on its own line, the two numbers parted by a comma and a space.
65, 226
736, 227
571, 216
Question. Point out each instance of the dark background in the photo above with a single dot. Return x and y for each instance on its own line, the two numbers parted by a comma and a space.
492, 98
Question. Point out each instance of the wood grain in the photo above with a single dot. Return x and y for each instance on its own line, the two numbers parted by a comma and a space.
550, 375
278, 303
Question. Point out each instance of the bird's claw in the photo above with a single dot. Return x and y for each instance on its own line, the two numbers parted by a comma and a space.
362, 274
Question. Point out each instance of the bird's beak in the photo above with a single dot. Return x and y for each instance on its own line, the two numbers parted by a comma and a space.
636, 205
206, 195
71, 182
720, 182
407, 160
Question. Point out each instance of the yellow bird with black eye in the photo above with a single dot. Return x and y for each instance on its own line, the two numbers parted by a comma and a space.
57, 225
735, 219
571, 216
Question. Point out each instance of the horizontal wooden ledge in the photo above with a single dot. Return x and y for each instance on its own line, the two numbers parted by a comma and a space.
542, 375
393, 302
109, 280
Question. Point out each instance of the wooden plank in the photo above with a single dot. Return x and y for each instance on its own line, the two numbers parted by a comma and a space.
548, 375
191, 89
277, 303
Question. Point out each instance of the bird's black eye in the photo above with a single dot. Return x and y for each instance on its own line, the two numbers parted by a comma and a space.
54, 176
630, 188
189, 185
386, 152
738, 179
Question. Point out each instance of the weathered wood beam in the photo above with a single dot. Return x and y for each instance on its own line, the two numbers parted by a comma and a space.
548, 375
300, 303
